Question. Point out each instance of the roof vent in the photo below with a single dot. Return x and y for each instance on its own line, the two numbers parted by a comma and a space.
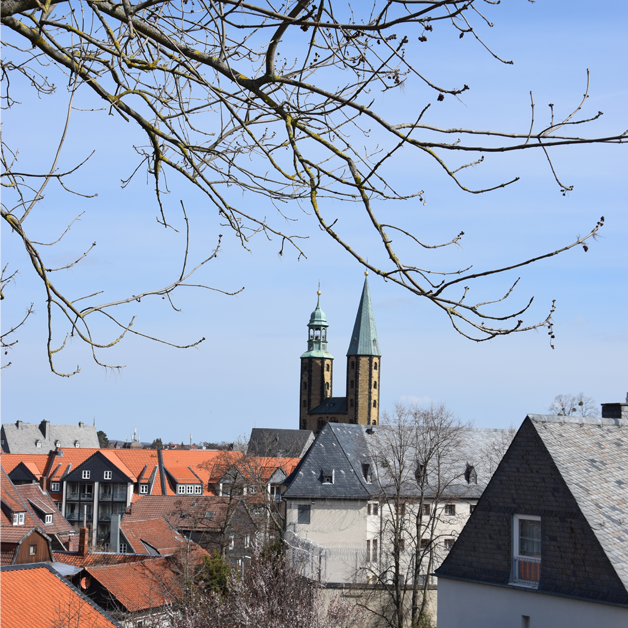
327, 476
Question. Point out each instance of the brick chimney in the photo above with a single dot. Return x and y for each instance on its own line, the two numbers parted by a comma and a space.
615, 410
83, 541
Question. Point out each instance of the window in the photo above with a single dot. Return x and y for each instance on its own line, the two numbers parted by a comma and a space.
352, 365
525, 621
304, 385
400, 509
373, 509
247, 540
374, 366
425, 543
427, 509
303, 514
449, 543
366, 472
368, 551
375, 384
402, 545
450, 509
304, 403
351, 403
327, 386
327, 476
143, 489
526, 568
180, 489
107, 475
57, 443
327, 368
198, 489
48, 520
55, 487
374, 544
351, 384
31, 550
77, 444
375, 404
470, 474
123, 548
18, 518
419, 473
85, 475
231, 541
471, 508
190, 489
38, 443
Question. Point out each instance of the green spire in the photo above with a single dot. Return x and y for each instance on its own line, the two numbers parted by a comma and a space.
317, 333
364, 336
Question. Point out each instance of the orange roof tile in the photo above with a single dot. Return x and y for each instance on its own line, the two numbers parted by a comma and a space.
115, 459
138, 586
56, 600
10, 461
210, 466
137, 459
97, 558
67, 456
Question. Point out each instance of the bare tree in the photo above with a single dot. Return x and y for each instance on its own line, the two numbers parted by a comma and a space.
279, 104
427, 478
574, 405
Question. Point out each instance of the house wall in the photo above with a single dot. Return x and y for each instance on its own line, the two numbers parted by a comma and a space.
473, 605
42, 551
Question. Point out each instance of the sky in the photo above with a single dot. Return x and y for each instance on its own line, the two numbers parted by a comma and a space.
246, 372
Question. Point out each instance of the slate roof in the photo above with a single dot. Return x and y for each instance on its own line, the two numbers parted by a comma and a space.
592, 457
21, 438
331, 405
279, 443
345, 448
24, 584
570, 472
364, 337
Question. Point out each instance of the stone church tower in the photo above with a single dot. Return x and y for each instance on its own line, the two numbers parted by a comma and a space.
318, 406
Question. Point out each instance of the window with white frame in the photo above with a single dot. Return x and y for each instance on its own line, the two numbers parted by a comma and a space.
48, 520
77, 444
450, 509
107, 475
143, 489
190, 489
247, 540
32, 550
231, 541
303, 514
449, 543
526, 560
123, 548
38, 443
55, 487
85, 475
18, 518
373, 509
198, 489
181, 489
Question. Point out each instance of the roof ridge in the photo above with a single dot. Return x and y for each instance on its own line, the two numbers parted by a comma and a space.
578, 420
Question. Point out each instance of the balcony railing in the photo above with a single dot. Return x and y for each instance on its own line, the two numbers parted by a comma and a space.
87, 497
104, 516
527, 570
72, 495
74, 516
119, 496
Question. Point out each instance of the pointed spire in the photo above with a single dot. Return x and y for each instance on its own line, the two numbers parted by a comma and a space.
364, 336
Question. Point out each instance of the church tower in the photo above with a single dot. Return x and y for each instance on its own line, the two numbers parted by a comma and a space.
363, 365
316, 369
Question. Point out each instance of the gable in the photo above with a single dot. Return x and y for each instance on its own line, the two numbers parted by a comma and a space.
528, 482
22, 473
97, 464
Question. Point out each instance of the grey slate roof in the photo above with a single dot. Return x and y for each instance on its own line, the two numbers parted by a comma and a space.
345, 448
364, 337
592, 457
278, 443
22, 438
331, 405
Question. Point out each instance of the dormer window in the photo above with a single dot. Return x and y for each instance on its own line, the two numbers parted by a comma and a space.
48, 520
77, 444
181, 489
366, 472
38, 444
107, 475
471, 475
18, 518
85, 475
327, 476
143, 489
57, 443
55, 487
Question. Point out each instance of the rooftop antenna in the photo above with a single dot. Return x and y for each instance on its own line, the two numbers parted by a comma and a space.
94, 421
190, 440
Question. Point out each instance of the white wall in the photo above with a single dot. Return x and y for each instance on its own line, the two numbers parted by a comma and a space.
471, 605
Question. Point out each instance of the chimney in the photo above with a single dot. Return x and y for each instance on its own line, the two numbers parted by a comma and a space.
114, 535
44, 428
81, 424
615, 410
19, 425
83, 541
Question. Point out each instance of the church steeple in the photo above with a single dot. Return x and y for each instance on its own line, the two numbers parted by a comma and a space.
316, 369
363, 365
364, 336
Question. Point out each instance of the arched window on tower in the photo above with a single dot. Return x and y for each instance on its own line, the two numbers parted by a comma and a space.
374, 366
317, 334
352, 365
311, 334
304, 385
304, 403
375, 404
351, 384
327, 368
375, 385
351, 403
324, 334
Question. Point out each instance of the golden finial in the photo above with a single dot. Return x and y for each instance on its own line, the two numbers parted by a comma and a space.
318, 292
366, 273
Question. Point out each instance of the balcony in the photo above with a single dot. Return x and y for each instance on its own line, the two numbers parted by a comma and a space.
75, 516
87, 497
119, 496
527, 571
104, 516
72, 495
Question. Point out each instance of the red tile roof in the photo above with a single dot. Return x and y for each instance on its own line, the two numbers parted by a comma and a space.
10, 461
210, 466
34, 596
161, 536
138, 586
33, 496
65, 457
97, 558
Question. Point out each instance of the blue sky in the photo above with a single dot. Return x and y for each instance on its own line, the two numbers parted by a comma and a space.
246, 372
